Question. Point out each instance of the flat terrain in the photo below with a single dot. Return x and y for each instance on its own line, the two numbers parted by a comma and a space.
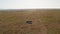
43, 21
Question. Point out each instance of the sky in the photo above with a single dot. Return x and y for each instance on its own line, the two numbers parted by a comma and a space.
28, 4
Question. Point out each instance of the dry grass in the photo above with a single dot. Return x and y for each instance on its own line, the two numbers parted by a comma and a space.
43, 22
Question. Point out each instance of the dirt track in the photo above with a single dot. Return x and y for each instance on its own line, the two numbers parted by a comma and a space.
38, 24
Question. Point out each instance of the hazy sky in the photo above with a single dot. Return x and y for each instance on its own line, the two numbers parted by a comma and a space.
21, 4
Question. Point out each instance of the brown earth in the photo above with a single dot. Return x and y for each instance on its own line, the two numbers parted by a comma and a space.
43, 22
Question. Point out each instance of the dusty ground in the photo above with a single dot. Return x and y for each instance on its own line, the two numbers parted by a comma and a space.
43, 22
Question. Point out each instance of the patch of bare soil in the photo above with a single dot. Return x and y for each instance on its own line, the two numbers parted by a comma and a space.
38, 24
